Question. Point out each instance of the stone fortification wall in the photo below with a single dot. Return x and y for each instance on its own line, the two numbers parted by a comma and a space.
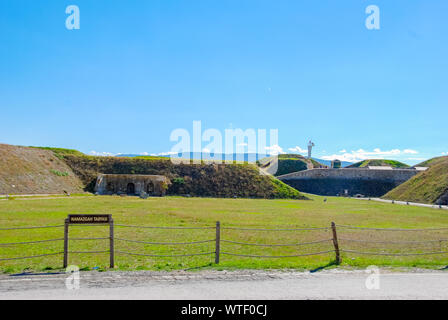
332, 182
153, 185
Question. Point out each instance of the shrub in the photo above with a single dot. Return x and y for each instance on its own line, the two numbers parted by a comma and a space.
179, 180
59, 173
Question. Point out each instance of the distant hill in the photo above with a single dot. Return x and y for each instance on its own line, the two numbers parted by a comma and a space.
328, 162
244, 157
379, 163
288, 163
247, 157
25, 170
430, 186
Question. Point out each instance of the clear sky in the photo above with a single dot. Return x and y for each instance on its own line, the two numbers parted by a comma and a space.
137, 70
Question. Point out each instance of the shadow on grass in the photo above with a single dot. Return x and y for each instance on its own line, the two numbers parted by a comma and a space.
35, 274
208, 265
328, 265
62, 271
199, 267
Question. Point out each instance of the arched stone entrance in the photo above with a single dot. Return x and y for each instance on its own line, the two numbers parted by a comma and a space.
131, 184
130, 189
150, 189
110, 187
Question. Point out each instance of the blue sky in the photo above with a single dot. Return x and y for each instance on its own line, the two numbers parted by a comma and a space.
137, 70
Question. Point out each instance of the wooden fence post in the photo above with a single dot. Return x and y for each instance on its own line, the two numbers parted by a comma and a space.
111, 242
335, 243
218, 241
66, 224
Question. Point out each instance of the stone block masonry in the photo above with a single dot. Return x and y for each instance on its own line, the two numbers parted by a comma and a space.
131, 184
348, 181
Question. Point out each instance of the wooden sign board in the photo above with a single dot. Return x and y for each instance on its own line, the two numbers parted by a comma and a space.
89, 219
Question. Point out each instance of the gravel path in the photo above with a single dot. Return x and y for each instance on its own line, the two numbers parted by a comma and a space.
239, 285
404, 203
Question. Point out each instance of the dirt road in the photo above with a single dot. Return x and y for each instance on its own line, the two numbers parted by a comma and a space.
331, 284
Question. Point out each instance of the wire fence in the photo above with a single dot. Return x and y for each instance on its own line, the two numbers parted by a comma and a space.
38, 227
166, 228
277, 245
393, 242
161, 231
275, 257
3, 245
281, 229
334, 240
390, 229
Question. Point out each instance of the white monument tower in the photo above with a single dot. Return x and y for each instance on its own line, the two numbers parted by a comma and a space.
310, 148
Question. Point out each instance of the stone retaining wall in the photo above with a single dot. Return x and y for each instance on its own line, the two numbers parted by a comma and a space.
132, 184
332, 182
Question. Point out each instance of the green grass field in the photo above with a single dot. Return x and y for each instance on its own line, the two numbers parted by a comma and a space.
204, 212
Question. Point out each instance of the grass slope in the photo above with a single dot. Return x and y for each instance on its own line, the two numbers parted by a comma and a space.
427, 187
379, 162
25, 170
432, 162
178, 211
288, 163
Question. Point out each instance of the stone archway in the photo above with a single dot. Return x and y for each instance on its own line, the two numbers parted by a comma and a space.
150, 189
110, 187
130, 189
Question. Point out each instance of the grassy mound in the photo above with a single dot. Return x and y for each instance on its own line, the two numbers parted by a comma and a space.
430, 186
204, 180
288, 163
61, 152
26, 170
432, 162
42, 170
379, 163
